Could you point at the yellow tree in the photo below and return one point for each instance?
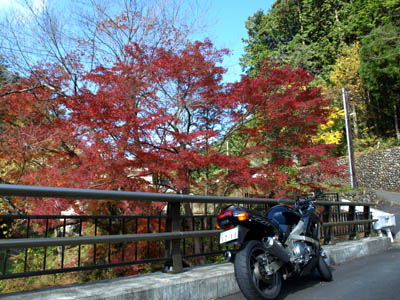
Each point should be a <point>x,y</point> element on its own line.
<point>345,75</point>
<point>331,132</point>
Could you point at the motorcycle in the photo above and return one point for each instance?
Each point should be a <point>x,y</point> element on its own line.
<point>284,243</point>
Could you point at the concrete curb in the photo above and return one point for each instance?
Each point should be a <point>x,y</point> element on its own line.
<point>346,251</point>
<point>201,283</point>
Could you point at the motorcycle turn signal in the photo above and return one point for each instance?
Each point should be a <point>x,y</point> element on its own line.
<point>243,216</point>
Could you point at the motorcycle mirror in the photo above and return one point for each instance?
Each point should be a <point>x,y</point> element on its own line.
<point>297,202</point>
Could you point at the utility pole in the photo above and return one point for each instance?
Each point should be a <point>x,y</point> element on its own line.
<point>350,149</point>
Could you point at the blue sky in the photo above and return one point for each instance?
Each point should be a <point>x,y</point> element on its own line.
<point>226,28</point>
<point>229,29</point>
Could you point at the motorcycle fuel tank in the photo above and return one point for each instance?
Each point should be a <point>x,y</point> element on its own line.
<point>283,216</point>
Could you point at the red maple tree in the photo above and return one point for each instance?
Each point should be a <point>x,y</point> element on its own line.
<point>157,114</point>
<point>282,112</point>
<point>160,116</point>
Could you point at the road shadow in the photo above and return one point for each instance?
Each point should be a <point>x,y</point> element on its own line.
<point>296,284</point>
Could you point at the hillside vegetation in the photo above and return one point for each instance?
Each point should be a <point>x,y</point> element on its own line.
<point>347,44</point>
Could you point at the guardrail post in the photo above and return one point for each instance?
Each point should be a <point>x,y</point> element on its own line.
<point>352,217</point>
<point>173,211</point>
<point>328,231</point>
<point>367,227</point>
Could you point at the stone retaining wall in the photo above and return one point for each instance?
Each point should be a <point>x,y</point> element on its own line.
<point>360,196</point>
<point>378,170</point>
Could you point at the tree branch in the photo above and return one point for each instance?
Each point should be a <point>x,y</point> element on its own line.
<point>45,85</point>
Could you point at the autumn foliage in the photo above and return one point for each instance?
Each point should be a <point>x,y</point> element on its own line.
<point>284,113</point>
<point>161,117</point>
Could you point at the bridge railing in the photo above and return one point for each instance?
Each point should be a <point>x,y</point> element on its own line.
<point>49,244</point>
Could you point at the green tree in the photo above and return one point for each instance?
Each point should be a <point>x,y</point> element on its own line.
<point>270,33</point>
<point>380,71</point>
<point>366,15</point>
<point>3,72</point>
<point>312,33</point>
<point>303,33</point>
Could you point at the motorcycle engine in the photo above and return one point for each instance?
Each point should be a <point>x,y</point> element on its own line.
<point>301,253</point>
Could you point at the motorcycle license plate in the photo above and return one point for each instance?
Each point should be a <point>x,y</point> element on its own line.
<point>229,235</point>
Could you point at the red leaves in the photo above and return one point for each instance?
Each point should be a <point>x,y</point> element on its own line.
<point>283,113</point>
<point>157,110</point>
<point>165,112</point>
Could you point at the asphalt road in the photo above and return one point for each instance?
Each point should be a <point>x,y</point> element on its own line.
<point>390,204</point>
<point>389,196</point>
<point>376,277</point>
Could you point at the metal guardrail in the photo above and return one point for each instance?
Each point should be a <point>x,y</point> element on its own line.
<point>107,239</point>
<point>72,193</point>
<point>175,240</point>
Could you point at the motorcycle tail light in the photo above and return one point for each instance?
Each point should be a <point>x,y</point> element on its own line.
<point>218,226</point>
<point>243,216</point>
<point>226,213</point>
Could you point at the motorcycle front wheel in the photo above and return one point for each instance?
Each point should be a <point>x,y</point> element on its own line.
<point>251,276</point>
<point>324,268</point>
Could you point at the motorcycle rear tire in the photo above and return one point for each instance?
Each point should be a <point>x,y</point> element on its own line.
<point>246,276</point>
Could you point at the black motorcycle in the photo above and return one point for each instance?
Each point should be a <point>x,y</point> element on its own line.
<point>276,246</point>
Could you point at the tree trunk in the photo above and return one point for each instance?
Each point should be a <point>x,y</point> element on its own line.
<point>300,20</point>
<point>396,122</point>
<point>355,121</point>
<point>374,114</point>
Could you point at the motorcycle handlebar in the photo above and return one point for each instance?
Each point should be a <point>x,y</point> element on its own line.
<point>301,203</point>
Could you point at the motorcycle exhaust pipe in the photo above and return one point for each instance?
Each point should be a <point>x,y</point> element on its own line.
<point>276,249</point>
